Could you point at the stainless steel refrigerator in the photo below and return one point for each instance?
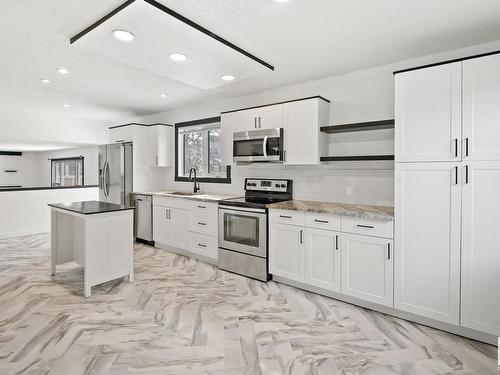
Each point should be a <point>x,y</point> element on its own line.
<point>115,173</point>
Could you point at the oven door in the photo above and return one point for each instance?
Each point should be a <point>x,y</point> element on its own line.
<point>258,146</point>
<point>243,230</point>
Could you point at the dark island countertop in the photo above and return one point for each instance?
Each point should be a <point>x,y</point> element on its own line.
<point>90,207</point>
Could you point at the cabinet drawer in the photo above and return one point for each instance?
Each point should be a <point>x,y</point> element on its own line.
<point>204,245</point>
<point>368,227</point>
<point>322,221</point>
<point>179,203</point>
<point>203,225</point>
<point>204,209</point>
<point>286,217</point>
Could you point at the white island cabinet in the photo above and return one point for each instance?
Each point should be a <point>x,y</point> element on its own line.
<point>96,235</point>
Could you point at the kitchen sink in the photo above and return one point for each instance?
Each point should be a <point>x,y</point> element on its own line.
<point>186,193</point>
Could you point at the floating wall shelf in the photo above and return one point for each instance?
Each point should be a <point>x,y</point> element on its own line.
<point>357,158</point>
<point>359,126</point>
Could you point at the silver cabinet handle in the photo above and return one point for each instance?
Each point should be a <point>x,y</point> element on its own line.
<point>456,175</point>
<point>200,223</point>
<point>120,141</point>
<point>388,251</point>
<point>466,174</point>
<point>202,245</point>
<point>255,122</point>
<point>455,147</point>
<point>321,221</point>
<point>365,226</point>
<point>260,122</point>
<point>156,160</point>
<point>337,242</point>
<point>201,206</point>
<point>467,146</point>
<point>285,217</point>
<point>301,239</point>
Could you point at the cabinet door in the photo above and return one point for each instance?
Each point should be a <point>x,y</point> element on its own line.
<point>367,268</point>
<point>122,134</point>
<point>286,251</point>
<point>162,229</point>
<point>301,132</point>
<point>160,145</point>
<point>481,109</point>
<point>428,114</point>
<point>427,221</point>
<point>246,120</point>
<point>480,248</point>
<point>322,258</point>
<point>271,117</point>
<point>180,228</point>
<point>228,126</point>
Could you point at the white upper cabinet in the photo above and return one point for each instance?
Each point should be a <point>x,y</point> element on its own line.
<point>121,134</point>
<point>160,145</point>
<point>481,247</point>
<point>427,240</point>
<point>481,108</point>
<point>367,268</point>
<point>266,117</point>
<point>428,114</point>
<point>304,143</point>
<point>228,126</point>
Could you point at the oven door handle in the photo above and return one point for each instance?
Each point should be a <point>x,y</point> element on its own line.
<point>243,209</point>
<point>264,146</point>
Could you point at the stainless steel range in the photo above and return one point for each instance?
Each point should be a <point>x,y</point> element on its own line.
<point>243,224</point>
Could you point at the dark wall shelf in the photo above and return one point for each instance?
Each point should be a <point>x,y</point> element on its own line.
<point>358,127</point>
<point>357,158</point>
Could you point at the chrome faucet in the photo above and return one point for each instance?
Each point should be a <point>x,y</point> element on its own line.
<point>196,187</point>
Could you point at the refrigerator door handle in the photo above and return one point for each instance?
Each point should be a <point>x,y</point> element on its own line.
<point>106,179</point>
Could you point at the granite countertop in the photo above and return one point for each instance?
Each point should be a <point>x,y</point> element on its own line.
<point>202,197</point>
<point>90,207</point>
<point>355,210</point>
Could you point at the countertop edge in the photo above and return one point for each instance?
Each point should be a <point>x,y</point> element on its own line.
<point>199,198</point>
<point>49,188</point>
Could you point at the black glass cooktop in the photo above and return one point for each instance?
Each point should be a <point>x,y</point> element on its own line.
<point>251,202</point>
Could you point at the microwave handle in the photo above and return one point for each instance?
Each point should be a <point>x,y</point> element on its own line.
<point>264,145</point>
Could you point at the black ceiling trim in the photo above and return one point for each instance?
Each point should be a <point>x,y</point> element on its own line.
<point>136,123</point>
<point>209,120</point>
<point>286,101</point>
<point>100,21</point>
<point>198,27</point>
<point>181,18</point>
<point>447,62</point>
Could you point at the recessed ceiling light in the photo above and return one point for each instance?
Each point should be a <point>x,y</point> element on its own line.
<point>43,80</point>
<point>63,70</point>
<point>163,95</point>
<point>123,35</point>
<point>227,78</point>
<point>66,105</point>
<point>177,57</point>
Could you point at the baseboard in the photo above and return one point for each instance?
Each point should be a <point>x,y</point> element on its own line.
<point>23,233</point>
<point>186,253</point>
<point>450,328</point>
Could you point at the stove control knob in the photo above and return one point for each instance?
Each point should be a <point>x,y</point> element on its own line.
<point>283,186</point>
<point>277,185</point>
<point>249,184</point>
<point>254,184</point>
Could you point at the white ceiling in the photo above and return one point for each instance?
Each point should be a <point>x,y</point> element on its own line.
<point>303,39</point>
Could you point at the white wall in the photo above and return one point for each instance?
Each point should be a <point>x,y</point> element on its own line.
<point>365,95</point>
<point>26,212</point>
<point>26,166</point>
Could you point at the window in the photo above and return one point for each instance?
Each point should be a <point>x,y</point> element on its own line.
<point>198,146</point>
<point>67,171</point>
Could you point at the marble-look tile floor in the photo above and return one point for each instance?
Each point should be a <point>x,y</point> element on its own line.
<point>186,317</point>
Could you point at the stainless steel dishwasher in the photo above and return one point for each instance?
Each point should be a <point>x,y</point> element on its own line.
<point>143,218</point>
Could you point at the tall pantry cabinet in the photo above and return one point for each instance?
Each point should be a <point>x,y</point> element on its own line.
<point>447,194</point>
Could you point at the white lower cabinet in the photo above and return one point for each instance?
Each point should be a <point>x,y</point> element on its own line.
<point>355,265</point>
<point>427,265</point>
<point>481,247</point>
<point>286,251</point>
<point>322,258</point>
<point>171,226</point>
<point>367,268</point>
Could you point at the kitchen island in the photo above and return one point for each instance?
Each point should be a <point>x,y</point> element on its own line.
<point>96,235</point>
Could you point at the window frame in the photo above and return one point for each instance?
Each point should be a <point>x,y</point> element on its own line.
<point>67,159</point>
<point>215,180</point>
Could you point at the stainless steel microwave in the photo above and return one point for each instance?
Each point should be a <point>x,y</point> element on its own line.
<point>263,145</point>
